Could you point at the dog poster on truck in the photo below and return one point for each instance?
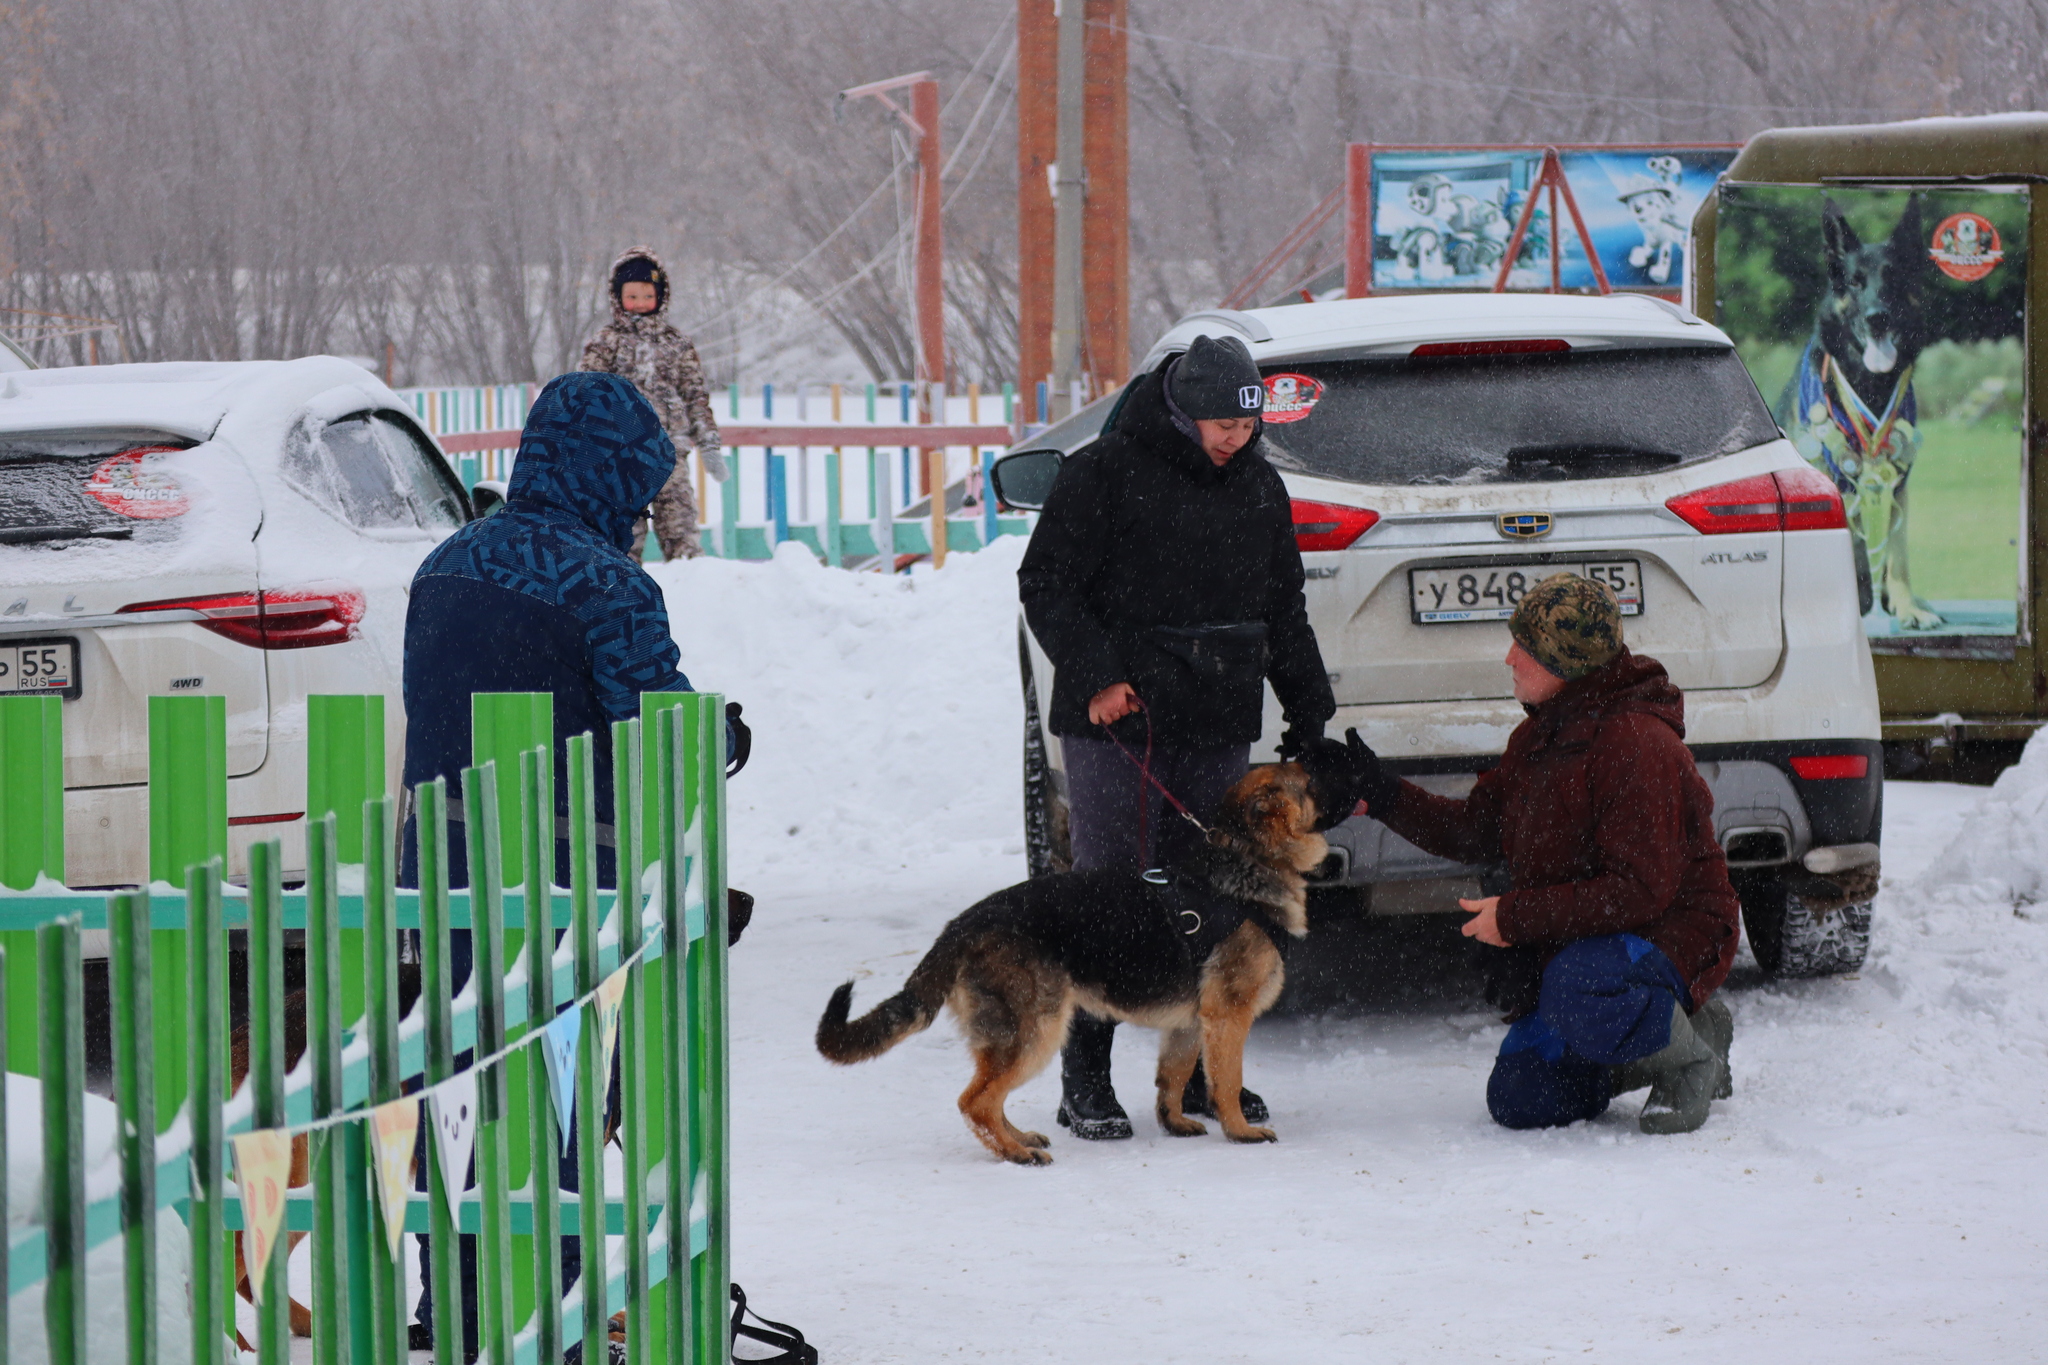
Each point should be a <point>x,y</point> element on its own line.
<point>1886,329</point>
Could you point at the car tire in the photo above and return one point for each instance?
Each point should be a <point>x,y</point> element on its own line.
<point>1801,926</point>
<point>1048,848</point>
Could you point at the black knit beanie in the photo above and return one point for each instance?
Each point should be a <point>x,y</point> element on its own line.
<point>640,270</point>
<point>1217,378</point>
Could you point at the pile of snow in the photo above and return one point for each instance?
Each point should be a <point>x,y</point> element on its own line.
<point>885,708</point>
<point>106,1325</point>
<point>2002,852</point>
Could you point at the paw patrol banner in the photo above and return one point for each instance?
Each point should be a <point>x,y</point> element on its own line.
<point>1885,327</point>
<point>1443,218</point>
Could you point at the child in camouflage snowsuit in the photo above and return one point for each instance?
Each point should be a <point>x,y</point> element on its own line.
<point>641,344</point>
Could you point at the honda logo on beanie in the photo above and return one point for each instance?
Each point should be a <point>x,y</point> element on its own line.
<point>1216,379</point>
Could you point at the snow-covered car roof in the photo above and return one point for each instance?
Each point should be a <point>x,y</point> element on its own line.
<point>259,400</point>
<point>1351,327</point>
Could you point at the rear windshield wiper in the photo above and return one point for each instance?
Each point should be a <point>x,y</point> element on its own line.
<point>24,535</point>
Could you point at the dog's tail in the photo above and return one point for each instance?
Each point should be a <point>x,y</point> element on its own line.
<point>910,1010</point>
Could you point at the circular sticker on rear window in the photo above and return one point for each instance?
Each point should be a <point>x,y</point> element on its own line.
<point>122,484</point>
<point>1966,247</point>
<point>1291,397</point>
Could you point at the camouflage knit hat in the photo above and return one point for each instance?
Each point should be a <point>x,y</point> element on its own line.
<point>1568,624</point>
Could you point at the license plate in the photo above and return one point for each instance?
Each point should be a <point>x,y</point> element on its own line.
<point>39,666</point>
<point>1489,592</point>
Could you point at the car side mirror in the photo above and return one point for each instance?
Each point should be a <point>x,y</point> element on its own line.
<point>487,496</point>
<point>1024,480</point>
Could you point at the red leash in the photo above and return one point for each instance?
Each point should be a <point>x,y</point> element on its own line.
<point>1144,768</point>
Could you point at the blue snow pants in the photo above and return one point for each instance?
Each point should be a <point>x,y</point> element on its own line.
<point>1604,1001</point>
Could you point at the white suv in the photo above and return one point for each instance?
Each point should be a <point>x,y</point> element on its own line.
<point>1447,452</point>
<point>247,530</point>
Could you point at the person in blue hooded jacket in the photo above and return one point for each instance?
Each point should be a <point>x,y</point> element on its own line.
<point>546,595</point>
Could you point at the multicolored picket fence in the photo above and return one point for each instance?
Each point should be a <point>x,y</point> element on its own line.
<point>252,1153</point>
<point>850,502</point>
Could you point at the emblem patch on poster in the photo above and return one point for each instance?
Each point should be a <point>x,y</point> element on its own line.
<point>1291,397</point>
<point>1966,247</point>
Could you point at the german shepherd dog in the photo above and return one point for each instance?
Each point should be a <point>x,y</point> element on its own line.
<point>1850,406</point>
<point>1123,945</point>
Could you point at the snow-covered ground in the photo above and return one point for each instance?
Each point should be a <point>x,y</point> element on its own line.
<point>1872,1192</point>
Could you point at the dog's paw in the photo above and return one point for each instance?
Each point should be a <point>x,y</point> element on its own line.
<point>1029,1156</point>
<point>1254,1135</point>
<point>1182,1126</point>
<point>1034,1139</point>
<point>1917,618</point>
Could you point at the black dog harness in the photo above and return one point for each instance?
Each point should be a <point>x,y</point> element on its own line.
<point>1204,917</point>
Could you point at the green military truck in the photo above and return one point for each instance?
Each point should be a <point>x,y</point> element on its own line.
<point>1887,285</point>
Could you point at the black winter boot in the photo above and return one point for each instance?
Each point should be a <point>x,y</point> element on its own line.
<point>1688,1072</point>
<point>1087,1098</point>
<point>1195,1099</point>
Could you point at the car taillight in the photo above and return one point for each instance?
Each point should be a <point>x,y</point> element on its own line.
<point>1453,349</point>
<point>1328,525</point>
<point>276,618</point>
<point>1820,767</point>
<point>1811,500</point>
<point>1789,500</point>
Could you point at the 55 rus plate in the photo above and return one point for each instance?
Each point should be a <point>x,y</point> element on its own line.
<point>37,666</point>
<point>1490,592</point>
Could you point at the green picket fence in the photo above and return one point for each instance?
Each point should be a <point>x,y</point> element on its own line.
<point>650,956</point>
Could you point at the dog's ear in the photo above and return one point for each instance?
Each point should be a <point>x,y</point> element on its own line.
<point>1842,242</point>
<point>1907,248</point>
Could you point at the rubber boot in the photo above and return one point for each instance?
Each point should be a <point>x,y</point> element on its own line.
<point>1688,1072</point>
<point>1195,1099</point>
<point>1087,1098</point>
<point>1713,1022</point>
<point>1716,1024</point>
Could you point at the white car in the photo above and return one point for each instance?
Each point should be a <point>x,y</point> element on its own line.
<point>246,530</point>
<point>1447,452</point>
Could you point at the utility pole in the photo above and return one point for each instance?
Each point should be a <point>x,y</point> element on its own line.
<point>1070,189</point>
<point>1037,150</point>
<point>1106,229</point>
<point>922,119</point>
<point>1099,288</point>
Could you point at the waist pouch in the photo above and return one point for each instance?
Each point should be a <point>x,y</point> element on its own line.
<point>1202,683</point>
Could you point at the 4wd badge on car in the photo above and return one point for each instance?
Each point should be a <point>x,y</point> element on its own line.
<point>1523,525</point>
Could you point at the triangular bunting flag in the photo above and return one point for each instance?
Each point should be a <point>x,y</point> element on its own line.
<point>263,1165</point>
<point>558,1044</point>
<point>452,1104</point>
<point>611,992</point>
<point>394,1131</point>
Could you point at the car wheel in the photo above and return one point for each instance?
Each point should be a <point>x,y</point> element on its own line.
<point>1805,926</point>
<point>1047,845</point>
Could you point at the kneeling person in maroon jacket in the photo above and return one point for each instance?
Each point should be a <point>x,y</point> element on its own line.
<point>1619,887</point>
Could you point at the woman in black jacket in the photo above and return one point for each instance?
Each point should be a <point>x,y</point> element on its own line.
<point>1164,582</point>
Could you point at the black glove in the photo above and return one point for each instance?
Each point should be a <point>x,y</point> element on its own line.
<point>739,913</point>
<point>739,740</point>
<point>1297,737</point>
<point>1380,789</point>
<point>1328,765</point>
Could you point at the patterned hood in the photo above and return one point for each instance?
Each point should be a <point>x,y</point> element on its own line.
<point>594,449</point>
